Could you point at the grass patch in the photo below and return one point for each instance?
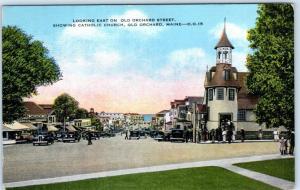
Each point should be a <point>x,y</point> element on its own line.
<point>281,168</point>
<point>192,178</point>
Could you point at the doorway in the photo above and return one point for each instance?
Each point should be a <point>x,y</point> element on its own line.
<point>224,117</point>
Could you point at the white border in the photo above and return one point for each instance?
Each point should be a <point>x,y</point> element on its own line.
<point>81,2</point>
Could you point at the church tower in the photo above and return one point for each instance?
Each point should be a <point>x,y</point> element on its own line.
<point>224,48</point>
<point>221,86</point>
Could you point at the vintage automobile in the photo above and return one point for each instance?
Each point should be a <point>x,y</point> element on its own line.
<point>107,134</point>
<point>71,137</point>
<point>134,134</point>
<point>59,136</point>
<point>177,135</point>
<point>95,135</point>
<point>160,136</point>
<point>153,133</point>
<point>43,139</point>
<point>143,134</point>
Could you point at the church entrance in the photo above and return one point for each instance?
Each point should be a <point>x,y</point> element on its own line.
<point>224,118</point>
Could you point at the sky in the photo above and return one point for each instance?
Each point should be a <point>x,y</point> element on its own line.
<point>133,69</point>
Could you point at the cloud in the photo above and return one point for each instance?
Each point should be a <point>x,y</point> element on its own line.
<point>235,33</point>
<point>107,58</point>
<point>129,16</point>
<point>184,62</point>
<point>127,92</point>
<point>239,60</point>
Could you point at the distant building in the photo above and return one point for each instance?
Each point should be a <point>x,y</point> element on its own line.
<point>134,118</point>
<point>38,113</point>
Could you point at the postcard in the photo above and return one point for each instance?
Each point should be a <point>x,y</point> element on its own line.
<point>170,96</point>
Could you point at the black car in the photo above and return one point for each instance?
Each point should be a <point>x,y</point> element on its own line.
<point>143,134</point>
<point>43,139</point>
<point>177,135</point>
<point>106,134</point>
<point>153,133</point>
<point>159,136</point>
<point>134,134</point>
<point>71,137</point>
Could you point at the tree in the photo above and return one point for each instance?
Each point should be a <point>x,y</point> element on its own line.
<point>271,65</point>
<point>96,122</point>
<point>81,113</point>
<point>65,106</point>
<point>26,66</point>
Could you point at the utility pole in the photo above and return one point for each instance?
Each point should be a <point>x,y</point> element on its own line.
<point>194,121</point>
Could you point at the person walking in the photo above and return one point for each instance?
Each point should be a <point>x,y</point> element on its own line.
<point>242,135</point>
<point>285,146</point>
<point>90,138</point>
<point>213,135</point>
<point>186,135</point>
<point>224,135</point>
<point>292,143</point>
<point>276,135</point>
<point>126,134</point>
<point>229,135</point>
<point>282,146</point>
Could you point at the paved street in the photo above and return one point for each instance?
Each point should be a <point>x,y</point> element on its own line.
<point>27,162</point>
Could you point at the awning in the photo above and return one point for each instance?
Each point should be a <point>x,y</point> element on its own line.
<point>16,126</point>
<point>70,128</point>
<point>6,129</point>
<point>51,128</point>
<point>30,125</point>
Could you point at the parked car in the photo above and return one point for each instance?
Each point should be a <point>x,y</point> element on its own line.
<point>71,137</point>
<point>143,134</point>
<point>43,139</point>
<point>134,134</point>
<point>153,133</point>
<point>106,134</point>
<point>177,135</point>
<point>159,136</point>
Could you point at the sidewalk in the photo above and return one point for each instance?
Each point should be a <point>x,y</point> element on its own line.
<point>274,181</point>
<point>225,163</point>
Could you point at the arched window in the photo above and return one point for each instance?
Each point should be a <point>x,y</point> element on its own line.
<point>225,54</point>
<point>226,74</point>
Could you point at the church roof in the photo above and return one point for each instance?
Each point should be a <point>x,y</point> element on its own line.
<point>245,99</point>
<point>224,41</point>
<point>215,76</point>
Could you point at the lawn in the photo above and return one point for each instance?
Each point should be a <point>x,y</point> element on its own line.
<point>192,178</point>
<point>281,168</point>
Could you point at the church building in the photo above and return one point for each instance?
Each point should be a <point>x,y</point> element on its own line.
<point>226,96</point>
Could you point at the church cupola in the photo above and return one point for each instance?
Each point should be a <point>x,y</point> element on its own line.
<point>224,48</point>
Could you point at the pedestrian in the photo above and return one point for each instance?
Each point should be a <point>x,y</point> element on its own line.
<point>292,143</point>
<point>285,146</point>
<point>90,138</point>
<point>213,135</point>
<point>126,135</point>
<point>224,135</point>
<point>229,135</point>
<point>199,136</point>
<point>276,135</point>
<point>219,135</point>
<point>242,135</point>
<point>260,134</point>
<point>282,146</point>
<point>186,135</point>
